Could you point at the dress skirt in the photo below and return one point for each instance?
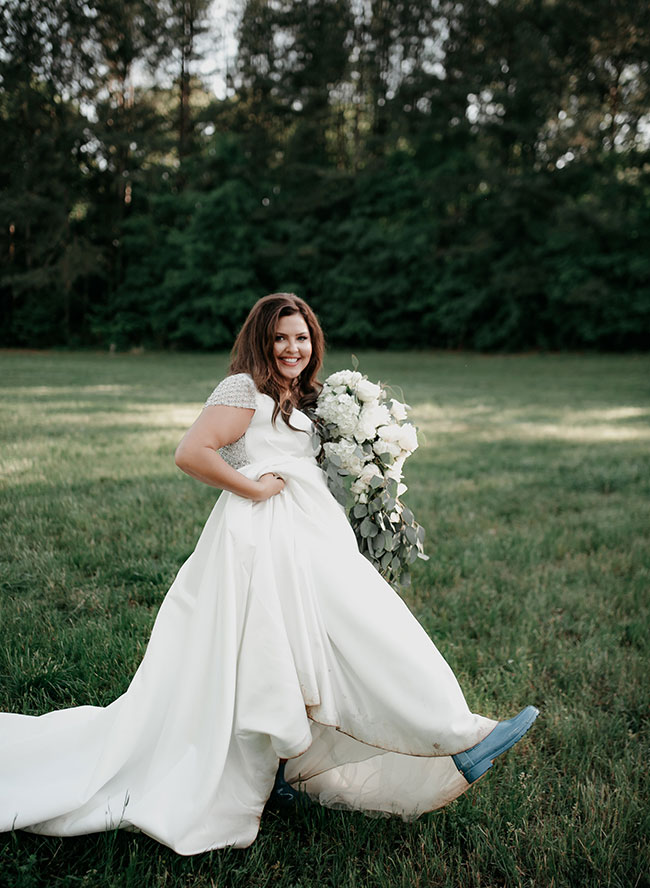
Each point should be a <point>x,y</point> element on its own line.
<point>276,640</point>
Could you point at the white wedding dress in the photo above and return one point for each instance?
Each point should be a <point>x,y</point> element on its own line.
<point>276,640</point>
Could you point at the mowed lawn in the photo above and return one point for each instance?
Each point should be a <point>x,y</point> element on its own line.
<point>532,479</point>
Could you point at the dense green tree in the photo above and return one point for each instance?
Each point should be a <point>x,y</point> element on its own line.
<point>426,172</point>
<point>44,254</point>
<point>188,278</point>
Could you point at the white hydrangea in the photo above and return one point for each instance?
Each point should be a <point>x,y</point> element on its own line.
<point>347,453</point>
<point>342,409</point>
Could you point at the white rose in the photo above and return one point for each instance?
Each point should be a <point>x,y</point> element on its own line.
<point>408,438</point>
<point>390,433</point>
<point>398,410</point>
<point>371,417</point>
<point>367,391</point>
<point>344,377</point>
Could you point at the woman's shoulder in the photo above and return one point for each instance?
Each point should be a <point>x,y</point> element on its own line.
<point>237,390</point>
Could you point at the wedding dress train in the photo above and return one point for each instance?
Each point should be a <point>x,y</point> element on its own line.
<point>277,639</point>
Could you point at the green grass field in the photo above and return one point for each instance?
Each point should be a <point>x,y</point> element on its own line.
<point>533,481</point>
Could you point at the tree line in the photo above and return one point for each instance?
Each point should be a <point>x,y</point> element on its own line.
<point>425,174</point>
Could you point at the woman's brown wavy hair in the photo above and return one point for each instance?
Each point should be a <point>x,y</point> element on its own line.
<point>252,352</point>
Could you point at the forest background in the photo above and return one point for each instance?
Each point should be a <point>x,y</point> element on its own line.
<point>426,174</point>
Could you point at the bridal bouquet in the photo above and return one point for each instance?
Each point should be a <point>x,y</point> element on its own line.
<point>364,442</point>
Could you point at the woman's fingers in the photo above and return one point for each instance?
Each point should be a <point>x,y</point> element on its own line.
<point>272,483</point>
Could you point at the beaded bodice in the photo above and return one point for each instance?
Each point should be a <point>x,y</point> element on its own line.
<point>235,391</point>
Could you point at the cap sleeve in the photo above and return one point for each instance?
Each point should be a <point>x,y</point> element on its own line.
<point>234,391</point>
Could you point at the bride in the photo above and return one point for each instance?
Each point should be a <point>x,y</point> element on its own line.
<point>277,642</point>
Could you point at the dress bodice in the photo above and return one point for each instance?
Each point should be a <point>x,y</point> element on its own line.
<point>264,439</point>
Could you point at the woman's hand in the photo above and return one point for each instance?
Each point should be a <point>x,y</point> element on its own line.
<point>269,485</point>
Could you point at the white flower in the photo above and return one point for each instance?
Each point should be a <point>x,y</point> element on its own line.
<point>391,448</point>
<point>367,391</point>
<point>371,417</point>
<point>369,471</point>
<point>408,438</point>
<point>398,410</point>
<point>395,471</point>
<point>390,432</point>
<point>342,410</point>
<point>348,378</point>
<point>347,453</point>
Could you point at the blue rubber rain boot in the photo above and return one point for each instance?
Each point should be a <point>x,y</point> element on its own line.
<point>474,762</point>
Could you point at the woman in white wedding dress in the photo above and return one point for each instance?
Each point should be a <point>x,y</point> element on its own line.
<point>277,641</point>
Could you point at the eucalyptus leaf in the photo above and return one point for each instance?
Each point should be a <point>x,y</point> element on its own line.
<point>360,510</point>
<point>331,470</point>
<point>407,515</point>
<point>366,527</point>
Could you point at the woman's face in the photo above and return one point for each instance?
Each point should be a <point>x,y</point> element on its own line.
<point>292,346</point>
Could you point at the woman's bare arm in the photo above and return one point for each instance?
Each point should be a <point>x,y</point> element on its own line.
<point>197,455</point>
